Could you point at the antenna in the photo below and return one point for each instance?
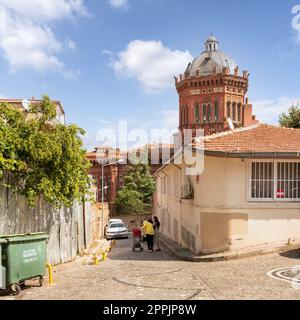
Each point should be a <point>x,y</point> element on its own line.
<point>230,124</point>
<point>26,104</point>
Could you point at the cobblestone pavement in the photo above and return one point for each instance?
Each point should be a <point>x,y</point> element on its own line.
<point>158,275</point>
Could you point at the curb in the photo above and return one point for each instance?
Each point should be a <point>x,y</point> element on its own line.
<point>186,255</point>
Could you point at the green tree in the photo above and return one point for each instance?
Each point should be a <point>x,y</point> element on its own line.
<point>39,157</point>
<point>137,192</point>
<point>292,119</point>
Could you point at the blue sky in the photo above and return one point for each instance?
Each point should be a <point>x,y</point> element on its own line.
<point>110,60</point>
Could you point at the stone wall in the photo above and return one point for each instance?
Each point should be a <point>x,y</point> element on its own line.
<point>68,233</point>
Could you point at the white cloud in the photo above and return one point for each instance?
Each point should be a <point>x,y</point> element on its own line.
<point>26,39</point>
<point>40,10</point>
<point>268,111</point>
<point>151,63</point>
<point>119,4</point>
<point>71,44</point>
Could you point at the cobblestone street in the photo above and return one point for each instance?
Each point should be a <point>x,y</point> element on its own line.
<point>158,275</point>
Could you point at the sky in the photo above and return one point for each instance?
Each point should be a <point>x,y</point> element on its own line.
<point>114,60</point>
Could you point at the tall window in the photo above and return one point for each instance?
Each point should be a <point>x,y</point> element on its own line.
<point>204,112</point>
<point>216,111</point>
<point>239,114</point>
<point>228,110</point>
<point>208,112</point>
<point>197,112</point>
<point>275,180</point>
<point>234,111</point>
<point>182,115</point>
<point>186,114</point>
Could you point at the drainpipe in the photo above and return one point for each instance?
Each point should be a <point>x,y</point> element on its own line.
<point>84,225</point>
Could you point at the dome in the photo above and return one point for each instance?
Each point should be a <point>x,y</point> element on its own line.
<point>209,60</point>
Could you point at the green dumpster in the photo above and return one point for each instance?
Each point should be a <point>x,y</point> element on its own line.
<point>24,258</point>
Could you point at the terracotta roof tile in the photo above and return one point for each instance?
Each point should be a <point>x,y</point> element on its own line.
<point>260,138</point>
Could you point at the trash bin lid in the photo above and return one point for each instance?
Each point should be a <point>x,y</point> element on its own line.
<point>24,237</point>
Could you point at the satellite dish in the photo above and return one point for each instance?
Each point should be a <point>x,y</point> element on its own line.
<point>26,104</point>
<point>230,124</point>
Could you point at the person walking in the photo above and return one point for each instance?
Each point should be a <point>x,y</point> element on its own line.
<point>156,226</point>
<point>149,232</point>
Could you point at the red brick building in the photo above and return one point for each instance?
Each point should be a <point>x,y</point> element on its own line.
<point>211,90</point>
<point>114,174</point>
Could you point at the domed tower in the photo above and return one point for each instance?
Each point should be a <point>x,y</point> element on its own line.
<point>211,90</point>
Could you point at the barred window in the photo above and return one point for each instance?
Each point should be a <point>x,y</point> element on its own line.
<point>288,180</point>
<point>262,180</point>
<point>275,180</point>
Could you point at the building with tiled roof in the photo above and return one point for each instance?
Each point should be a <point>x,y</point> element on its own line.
<point>19,104</point>
<point>254,141</point>
<point>241,192</point>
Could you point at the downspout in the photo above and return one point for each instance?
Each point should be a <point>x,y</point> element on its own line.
<point>84,225</point>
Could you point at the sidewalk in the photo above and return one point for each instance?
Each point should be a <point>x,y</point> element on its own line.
<point>186,255</point>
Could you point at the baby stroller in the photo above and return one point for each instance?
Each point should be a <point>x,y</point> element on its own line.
<point>137,240</point>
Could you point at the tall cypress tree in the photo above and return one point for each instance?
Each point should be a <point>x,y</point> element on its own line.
<point>137,192</point>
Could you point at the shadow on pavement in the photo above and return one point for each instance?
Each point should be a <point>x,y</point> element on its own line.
<point>123,251</point>
<point>292,254</point>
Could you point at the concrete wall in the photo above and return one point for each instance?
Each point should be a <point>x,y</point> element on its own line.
<point>64,226</point>
<point>221,217</point>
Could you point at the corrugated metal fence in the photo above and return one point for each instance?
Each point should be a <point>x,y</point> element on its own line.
<point>64,226</point>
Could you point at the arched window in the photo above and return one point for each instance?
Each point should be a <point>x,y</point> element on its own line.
<point>208,112</point>
<point>186,114</point>
<point>228,110</point>
<point>204,112</point>
<point>197,113</point>
<point>182,115</point>
<point>234,111</point>
<point>216,111</point>
<point>239,110</point>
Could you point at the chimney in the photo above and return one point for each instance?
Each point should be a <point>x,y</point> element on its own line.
<point>247,115</point>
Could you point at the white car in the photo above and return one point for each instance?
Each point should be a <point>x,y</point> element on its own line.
<point>117,230</point>
<point>114,221</point>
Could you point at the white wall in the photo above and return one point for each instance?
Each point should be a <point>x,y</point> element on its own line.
<point>221,209</point>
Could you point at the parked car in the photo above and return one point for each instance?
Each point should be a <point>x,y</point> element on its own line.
<point>114,221</point>
<point>117,230</point>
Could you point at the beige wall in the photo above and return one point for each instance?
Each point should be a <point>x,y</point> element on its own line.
<point>220,217</point>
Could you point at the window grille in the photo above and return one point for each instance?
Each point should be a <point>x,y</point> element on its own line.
<point>275,180</point>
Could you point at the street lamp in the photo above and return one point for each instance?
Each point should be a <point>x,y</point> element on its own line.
<point>104,188</point>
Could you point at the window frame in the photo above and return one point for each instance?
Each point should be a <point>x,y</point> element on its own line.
<point>197,112</point>
<point>204,112</point>
<point>275,165</point>
<point>216,111</point>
